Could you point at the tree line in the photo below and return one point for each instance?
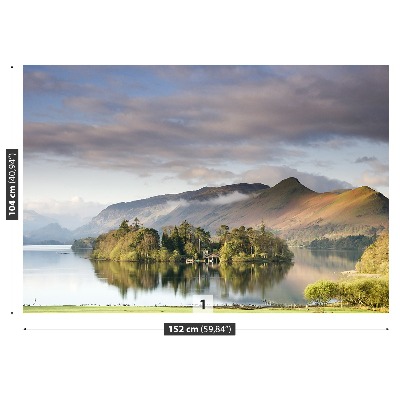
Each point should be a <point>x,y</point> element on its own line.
<point>348,242</point>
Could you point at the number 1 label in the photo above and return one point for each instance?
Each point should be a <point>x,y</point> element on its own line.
<point>203,303</point>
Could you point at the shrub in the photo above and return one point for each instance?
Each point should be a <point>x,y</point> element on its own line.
<point>375,259</point>
<point>369,292</point>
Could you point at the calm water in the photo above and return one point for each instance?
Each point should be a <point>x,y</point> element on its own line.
<point>56,275</point>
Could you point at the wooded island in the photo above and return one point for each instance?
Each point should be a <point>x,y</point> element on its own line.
<point>178,243</point>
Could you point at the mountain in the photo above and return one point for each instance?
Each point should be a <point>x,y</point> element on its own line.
<point>50,234</point>
<point>34,221</point>
<point>155,211</point>
<point>290,209</point>
<point>300,214</point>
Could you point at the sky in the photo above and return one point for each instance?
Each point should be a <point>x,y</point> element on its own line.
<point>98,135</point>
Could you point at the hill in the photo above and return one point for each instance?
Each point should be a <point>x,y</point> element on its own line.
<point>34,221</point>
<point>169,209</point>
<point>50,234</point>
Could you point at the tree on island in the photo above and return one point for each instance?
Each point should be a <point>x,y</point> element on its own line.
<point>186,239</point>
<point>246,244</point>
<point>127,243</point>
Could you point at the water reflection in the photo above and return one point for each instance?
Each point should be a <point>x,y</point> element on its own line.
<point>327,259</point>
<point>185,279</point>
<point>181,278</point>
<point>245,278</point>
<point>59,276</point>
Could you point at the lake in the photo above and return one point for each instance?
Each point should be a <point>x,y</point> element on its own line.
<point>56,275</point>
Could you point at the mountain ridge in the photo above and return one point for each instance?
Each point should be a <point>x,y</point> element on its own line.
<point>289,208</point>
<point>154,208</point>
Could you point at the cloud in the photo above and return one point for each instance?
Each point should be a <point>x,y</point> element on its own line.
<point>70,214</point>
<point>204,176</point>
<point>365,159</point>
<point>374,164</point>
<point>219,200</point>
<point>58,81</point>
<point>374,180</point>
<point>172,205</point>
<point>274,174</point>
<point>191,122</point>
<point>228,199</point>
<point>376,175</point>
<point>41,81</point>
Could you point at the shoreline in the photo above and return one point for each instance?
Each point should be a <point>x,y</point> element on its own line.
<point>189,309</point>
<point>354,273</point>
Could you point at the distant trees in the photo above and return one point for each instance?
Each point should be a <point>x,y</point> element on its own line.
<point>348,242</point>
<point>86,243</point>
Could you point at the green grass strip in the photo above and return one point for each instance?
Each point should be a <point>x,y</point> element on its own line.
<point>171,309</point>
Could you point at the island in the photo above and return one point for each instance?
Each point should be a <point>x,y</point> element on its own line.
<point>187,243</point>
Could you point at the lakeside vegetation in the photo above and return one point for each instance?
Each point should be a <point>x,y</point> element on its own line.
<point>137,243</point>
<point>359,289</point>
<point>375,259</point>
<point>367,292</point>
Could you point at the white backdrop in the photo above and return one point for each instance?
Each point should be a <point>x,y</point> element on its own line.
<point>271,356</point>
